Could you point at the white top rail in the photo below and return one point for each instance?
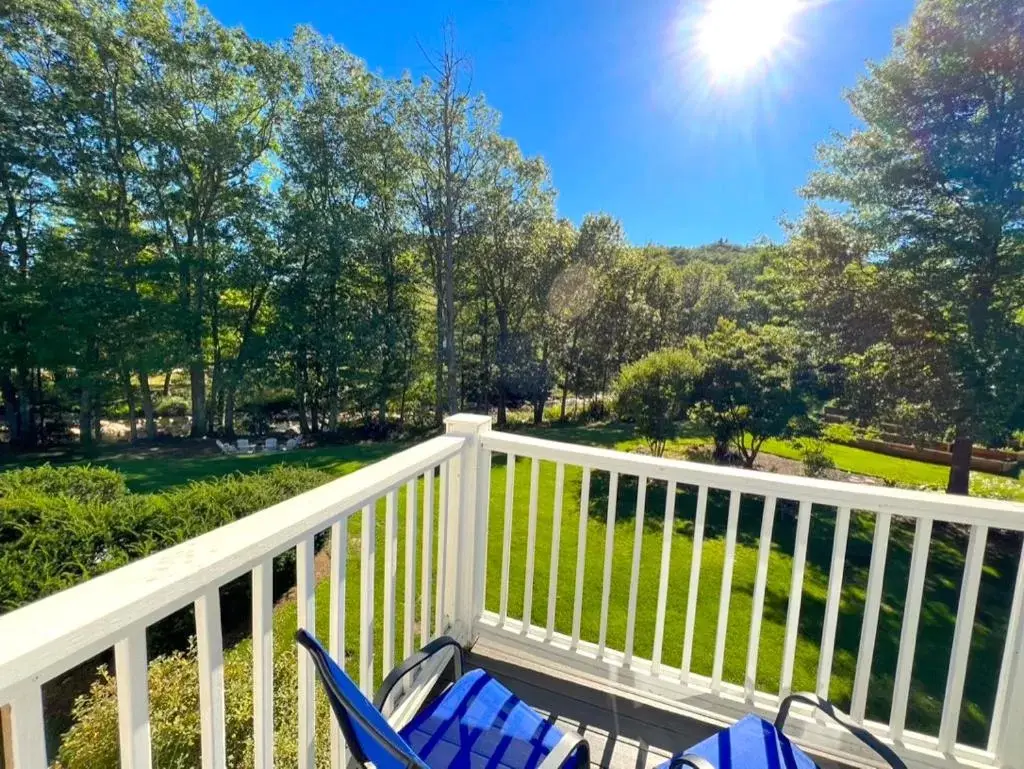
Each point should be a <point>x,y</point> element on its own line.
<point>56,633</point>
<point>912,504</point>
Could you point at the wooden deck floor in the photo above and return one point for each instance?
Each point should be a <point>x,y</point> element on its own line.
<point>622,732</point>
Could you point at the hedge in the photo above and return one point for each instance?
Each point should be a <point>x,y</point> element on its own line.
<point>61,526</point>
<point>79,482</point>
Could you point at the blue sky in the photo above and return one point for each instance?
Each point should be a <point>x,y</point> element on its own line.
<point>611,95</point>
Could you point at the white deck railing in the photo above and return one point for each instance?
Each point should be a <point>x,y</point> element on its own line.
<point>51,636</point>
<point>675,684</point>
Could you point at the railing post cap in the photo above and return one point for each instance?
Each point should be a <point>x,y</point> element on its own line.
<point>467,424</point>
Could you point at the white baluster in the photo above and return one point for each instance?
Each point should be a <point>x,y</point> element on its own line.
<point>634,576</point>
<point>764,550</point>
<point>962,638</point>
<point>581,556</point>
<point>691,597</point>
<point>306,603</point>
<point>367,567</point>
<point>556,540</point>
<point>667,535</point>
<point>211,680</point>
<point>263,664</point>
<point>796,592</point>
<point>133,699</point>
<point>531,545</point>
<point>869,630</point>
<point>835,593</point>
<point>908,635</point>
<point>506,539</point>
<point>609,553</point>
<point>339,595</point>
<point>726,593</point>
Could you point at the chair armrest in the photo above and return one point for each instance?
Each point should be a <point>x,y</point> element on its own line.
<point>689,761</point>
<point>842,719</point>
<point>570,743</point>
<point>413,662</point>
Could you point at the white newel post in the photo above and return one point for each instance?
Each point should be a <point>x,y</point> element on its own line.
<point>464,572</point>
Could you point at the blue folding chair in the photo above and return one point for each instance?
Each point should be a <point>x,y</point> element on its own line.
<point>476,723</point>
<point>753,743</point>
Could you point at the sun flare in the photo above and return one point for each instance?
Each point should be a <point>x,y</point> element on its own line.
<point>737,37</point>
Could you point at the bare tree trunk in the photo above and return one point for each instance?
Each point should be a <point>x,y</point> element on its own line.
<point>167,383</point>
<point>960,465</point>
<point>147,403</point>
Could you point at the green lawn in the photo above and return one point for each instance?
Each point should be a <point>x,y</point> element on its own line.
<point>937,615</point>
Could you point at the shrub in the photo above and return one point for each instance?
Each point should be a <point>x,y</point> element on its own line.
<point>757,384</point>
<point>843,432</point>
<point>174,715</point>
<point>654,392</point>
<point>92,741</point>
<point>83,483</point>
<point>816,460</point>
<point>172,406</point>
<point>51,542</point>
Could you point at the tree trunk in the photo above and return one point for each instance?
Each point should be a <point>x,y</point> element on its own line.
<point>450,358</point>
<point>439,360</point>
<point>300,391</point>
<point>12,410</point>
<point>167,383</point>
<point>147,403</point>
<point>502,366</point>
<point>28,433</point>
<point>85,417</point>
<point>97,420</point>
<point>229,410</point>
<point>197,376</point>
<point>960,466</point>
<point>565,395</point>
<point>129,396</point>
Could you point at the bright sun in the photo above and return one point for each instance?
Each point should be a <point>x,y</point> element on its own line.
<point>736,37</point>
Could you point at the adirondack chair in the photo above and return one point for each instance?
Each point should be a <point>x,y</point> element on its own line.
<point>245,447</point>
<point>475,722</point>
<point>226,448</point>
<point>753,743</point>
<point>270,444</point>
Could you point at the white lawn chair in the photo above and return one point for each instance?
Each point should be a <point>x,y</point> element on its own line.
<point>226,448</point>
<point>244,446</point>
<point>290,444</point>
<point>270,444</point>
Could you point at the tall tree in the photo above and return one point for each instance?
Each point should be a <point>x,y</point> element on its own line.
<point>447,130</point>
<point>217,98</point>
<point>936,179</point>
